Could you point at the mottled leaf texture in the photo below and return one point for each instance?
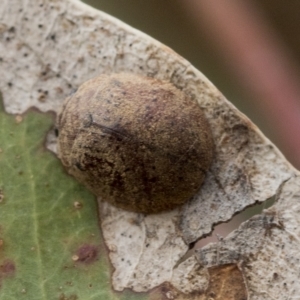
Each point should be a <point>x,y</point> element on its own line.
<point>50,241</point>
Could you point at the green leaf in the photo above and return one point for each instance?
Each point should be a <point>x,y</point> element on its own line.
<point>50,241</point>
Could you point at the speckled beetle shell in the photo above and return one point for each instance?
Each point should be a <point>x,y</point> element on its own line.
<point>139,143</point>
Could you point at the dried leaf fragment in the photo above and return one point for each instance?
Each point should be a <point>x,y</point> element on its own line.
<point>266,247</point>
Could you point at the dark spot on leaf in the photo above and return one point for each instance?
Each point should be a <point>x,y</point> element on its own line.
<point>227,282</point>
<point>163,292</point>
<point>77,205</point>
<point>87,254</point>
<point>7,269</point>
<point>64,297</point>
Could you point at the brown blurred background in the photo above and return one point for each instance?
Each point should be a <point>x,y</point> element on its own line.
<point>249,49</point>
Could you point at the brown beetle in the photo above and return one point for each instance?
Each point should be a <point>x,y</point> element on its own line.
<point>138,142</point>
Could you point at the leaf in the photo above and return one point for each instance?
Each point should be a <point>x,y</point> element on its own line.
<point>47,51</point>
<point>266,248</point>
<point>51,247</point>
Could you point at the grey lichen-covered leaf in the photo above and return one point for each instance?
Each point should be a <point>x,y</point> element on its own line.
<point>142,251</point>
<point>48,48</point>
<point>190,276</point>
<point>266,248</point>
